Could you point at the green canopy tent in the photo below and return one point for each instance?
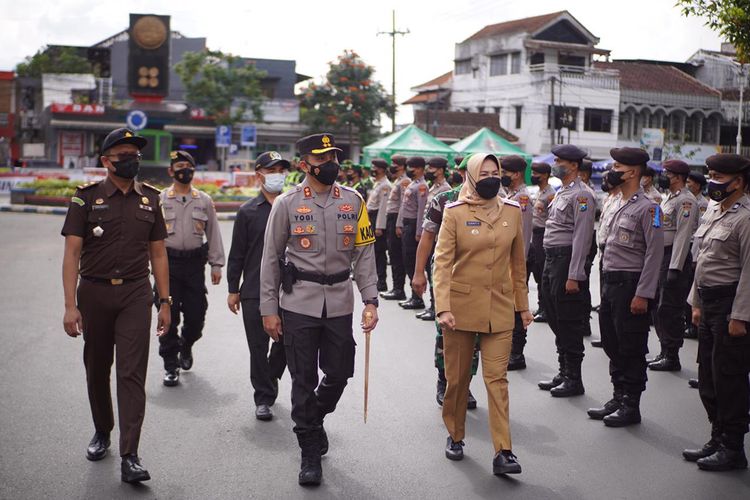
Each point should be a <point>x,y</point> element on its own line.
<point>485,140</point>
<point>409,141</point>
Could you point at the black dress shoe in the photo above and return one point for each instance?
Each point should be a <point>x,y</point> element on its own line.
<point>516,362</point>
<point>627,414</point>
<point>382,287</point>
<point>97,448</point>
<point>393,295</point>
<point>609,408</point>
<point>428,315</point>
<point>569,387</point>
<point>471,403</point>
<point>666,364</point>
<point>440,396</point>
<point>691,332</point>
<point>263,412</point>
<point>413,303</point>
<point>132,470</point>
<point>693,382</point>
<point>707,450</point>
<point>656,358</point>
<point>547,385</point>
<point>454,450</point>
<point>723,459</point>
<point>541,317</point>
<point>323,441</point>
<point>186,358</point>
<point>596,343</point>
<point>172,378</point>
<point>505,462</point>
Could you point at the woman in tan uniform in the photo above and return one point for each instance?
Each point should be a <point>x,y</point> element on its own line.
<point>480,281</point>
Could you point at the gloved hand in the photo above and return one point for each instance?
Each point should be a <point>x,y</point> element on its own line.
<point>672,276</point>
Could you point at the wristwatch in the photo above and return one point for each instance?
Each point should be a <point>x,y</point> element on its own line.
<point>374,302</point>
<point>168,300</point>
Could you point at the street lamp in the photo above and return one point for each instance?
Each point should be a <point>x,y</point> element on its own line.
<point>742,76</point>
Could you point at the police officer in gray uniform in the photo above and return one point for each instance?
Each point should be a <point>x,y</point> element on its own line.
<point>409,222</point>
<point>513,174</point>
<point>377,202</point>
<point>567,242</point>
<point>720,297</point>
<point>193,239</point>
<point>680,218</point>
<point>696,183</point>
<point>630,263</point>
<point>322,232</point>
<point>395,250</point>
<point>540,173</point>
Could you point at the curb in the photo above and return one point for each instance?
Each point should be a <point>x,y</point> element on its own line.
<point>37,209</point>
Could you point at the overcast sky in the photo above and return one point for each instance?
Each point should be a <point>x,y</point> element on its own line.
<point>314,33</point>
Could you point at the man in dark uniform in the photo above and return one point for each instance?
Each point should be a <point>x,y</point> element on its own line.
<point>111,229</point>
<point>720,297</point>
<point>395,247</point>
<point>193,239</point>
<point>540,173</point>
<point>630,262</point>
<point>244,262</point>
<point>354,180</point>
<point>567,243</point>
<point>322,232</point>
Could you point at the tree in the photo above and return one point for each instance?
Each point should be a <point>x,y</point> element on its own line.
<point>348,99</point>
<point>53,60</point>
<point>731,18</point>
<point>225,86</point>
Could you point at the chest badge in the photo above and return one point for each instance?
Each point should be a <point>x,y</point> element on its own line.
<point>505,223</point>
<point>145,200</point>
<point>349,228</point>
<point>99,201</point>
<point>304,210</point>
<point>305,243</point>
<point>299,230</point>
<point>98,231</point>
<point>475,231</point>
<point>345,208</point>
<point>310,229</point>
<point>347,240</point>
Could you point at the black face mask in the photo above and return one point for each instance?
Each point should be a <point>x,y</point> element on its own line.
<point>128,168</point>
<point>393,170</point>
<point>536,180</point>
<point>717,191</point>
<point>184,175</point>
<point>505,180</point>
<point>410,173</point>
<point>605,187</point>
<point>429,176</point>
<point>489,187</point>
<point>663,181</point>
<point>350,178</point>
<point>326,173</point>
<point>614,178</point>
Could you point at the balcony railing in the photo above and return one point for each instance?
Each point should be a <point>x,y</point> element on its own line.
<point>744,150</point>
<point>578,75</point>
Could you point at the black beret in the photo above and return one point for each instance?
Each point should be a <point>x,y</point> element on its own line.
<point>357,169</point>
<point>726,163</point>
<point>379,163</point>
<point>629,156</point>
<point>415,161</point>
<point>178,156</point>
<point>676,167</point>
<point>123,136</point>
<point>698,177</point>
<point>541,168</point>
<point>317,144</point>
<point>438,162</point>
<point>458,159</point>
<point>569,152</point>
<point>270,159</point>
<point>513,163</point>
<point>586,165</point>
<point>399,160</point>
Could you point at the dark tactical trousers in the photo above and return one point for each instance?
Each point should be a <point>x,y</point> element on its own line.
<point>624,334</point>
<point>587,294</point>
<point>723,367</point>
<point>519,335</point>
<point>265,368</point>
<point>670,315</point>
<point>565,312</point>
<point>187,285</point>
<point>121,315</point>
<point>429,276</point>
<point>690,270</point>
<point>535,260</point>
<point>311,342</point>
<point>409,246</point>
<point>381,246</point>
<point>395,253</point>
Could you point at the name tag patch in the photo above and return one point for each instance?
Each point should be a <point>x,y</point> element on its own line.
<point>473,223</point>
<point>99,207</point>
<point>145,207</point>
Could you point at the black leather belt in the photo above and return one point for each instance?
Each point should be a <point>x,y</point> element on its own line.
<point>717,292</point>
<point>201,251</point>
<point>557,251</point>
<point>111,281</point>
<point>538,230</point>
<point>323,279</point>
<point>620,276</point>
<point>409,220</point>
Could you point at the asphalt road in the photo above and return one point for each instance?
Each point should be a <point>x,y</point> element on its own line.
<point>201,440</point>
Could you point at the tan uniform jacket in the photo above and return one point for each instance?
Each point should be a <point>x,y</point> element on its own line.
<point>378,200</point>
<point>480,267</point>
<point>680,217</point>
<point>192,220</point>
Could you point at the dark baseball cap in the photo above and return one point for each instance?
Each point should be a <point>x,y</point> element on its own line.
<point>123,136</point>
<point>270,159</point>
<point>178,156</point>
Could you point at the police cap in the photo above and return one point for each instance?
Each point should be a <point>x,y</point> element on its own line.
<point>726,163</point>
<point>270,159</point>
<point>698,177</point>
<point>513,163</point>
<point>399,160</point>
<point>438,162</point>
<point>415,162</point>
<point>541,168</point>
<point>123,136</point>
<point>629,156</point>
<point>379,163</point>
<point>676,167</point>
<point>317,144</point>
<point>569,152</point>
<point>178,156</point>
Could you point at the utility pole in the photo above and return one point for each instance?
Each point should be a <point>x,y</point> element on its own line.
<point>739,114</point>
<point>552,113</point>
<point>393,34</point>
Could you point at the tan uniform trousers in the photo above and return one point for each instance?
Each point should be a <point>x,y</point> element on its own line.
<point>458,348</point>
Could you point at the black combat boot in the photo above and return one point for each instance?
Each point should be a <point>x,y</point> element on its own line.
<point>669,363</point>
<point>609,407</point>
<point>311,472</point>
<point>547,385</point>
<point>708,449</point>
<point>656,358</point>
<point>517,361</point>
<point>729,456</point>
<point>628,413</point>
<point>572,385</point>
<point>441,384</point>
<point>693,383</point>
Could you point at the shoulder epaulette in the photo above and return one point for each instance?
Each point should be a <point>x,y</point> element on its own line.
<point>454,204</point>
<point>352,190</point>
<point>88,185</point>
<point>145,184</point>
<point>511,203</point>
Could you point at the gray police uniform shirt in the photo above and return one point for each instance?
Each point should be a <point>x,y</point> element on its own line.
<point>436,189</point>
<point>413,203</point>
<point>610,206</point>
<point>679,216</point>
<point>325,234</point>
<point>541,206</point>
<point>635,242</point>
<point>724,254</point>
<point>653,194</point>
<point>190,218</point>
<point>397,191</point>
<point>377,199</point>
<point>695,242</point>
<point>570,223</point>
<point>522,197</point>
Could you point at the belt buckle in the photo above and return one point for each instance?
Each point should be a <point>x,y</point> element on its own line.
<point>116,281</point>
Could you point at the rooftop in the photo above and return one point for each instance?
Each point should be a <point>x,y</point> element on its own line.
<point>527,24</point>
<point>651,77</point>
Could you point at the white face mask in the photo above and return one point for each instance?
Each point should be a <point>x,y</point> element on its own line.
<point>274,183</point>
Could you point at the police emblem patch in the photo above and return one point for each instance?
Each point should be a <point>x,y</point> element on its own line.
<point>310,229</point>
<point>583,203</point>
<point>304,210</point>
<point>305,243</point>
<point>524,202</point>
<point>144,200</point>
<point>347,240</point>
<point>422,189</point>
<point>624,237</point>
<point>99,201</point>
<point>345,208</point>
<point>349,229</point>
<point>299,230</point>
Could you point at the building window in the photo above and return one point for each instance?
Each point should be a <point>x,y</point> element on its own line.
<point>515,63</point>
<point>537,58</point>
<point>499,65</point>
<point>497,110</point>
<point>565,117</point>
<point>597,120</point>
<point>463,67</point>
<point>519,113</point>
<point>571,60</point>
<point>480,109</point>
